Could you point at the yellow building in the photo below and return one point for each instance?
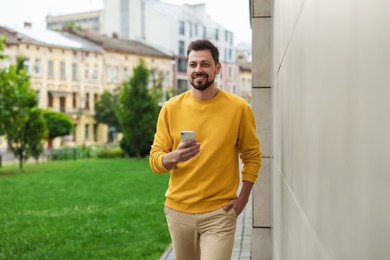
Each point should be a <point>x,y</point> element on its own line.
<point>122,56</point>
<point>245,81</point>
<point>69,71</point>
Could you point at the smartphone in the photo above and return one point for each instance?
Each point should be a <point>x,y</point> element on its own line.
<point>187,135</point>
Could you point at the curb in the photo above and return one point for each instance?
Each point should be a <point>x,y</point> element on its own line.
<point>166,253</point>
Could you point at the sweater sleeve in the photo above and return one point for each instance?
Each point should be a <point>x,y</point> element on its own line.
<point>249,146</point>
<point>162,143</point>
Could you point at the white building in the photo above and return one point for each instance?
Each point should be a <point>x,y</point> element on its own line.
<point>170,28</point>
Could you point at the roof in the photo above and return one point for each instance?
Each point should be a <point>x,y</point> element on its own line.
<point>120,45</point>
<point>49,38</point>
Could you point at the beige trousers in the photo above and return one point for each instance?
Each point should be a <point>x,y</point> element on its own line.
<point>205,236</point>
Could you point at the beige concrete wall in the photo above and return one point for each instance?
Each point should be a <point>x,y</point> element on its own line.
<point>329,151</point>
<point>261,103</point>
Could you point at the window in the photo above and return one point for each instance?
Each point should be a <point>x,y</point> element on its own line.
<point>116,74</point>
<point>74,100</point>
<point>26,64</point>
<point>226,36</point>
<point>182,85</point>
<point>196,30</point>
<point>95,131</point>
<point>74,72</point>
<point>62,70</point>
<point>86,72</point>
<point>95,99</point>
<point>181,48</point>
<point>108,74</point>
<point>182,65</point>
<point>37,67</point>
<point>62,104</point>
<point>216,34</point>
<point>87,100</point>
<point>204,32</point>
<point>182,30</point>
<point>86,132</point>
<point>49,99</point>
<point>95,73</point>
<point>50,70</point>
<point>124,18</point>
<point>126,74</point>
<point>190,29</point>
<point>225,54</point>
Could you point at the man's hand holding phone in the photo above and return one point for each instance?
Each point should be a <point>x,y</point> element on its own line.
<point>187,149</point>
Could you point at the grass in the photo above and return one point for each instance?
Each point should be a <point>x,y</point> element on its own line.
<point>85,209</point>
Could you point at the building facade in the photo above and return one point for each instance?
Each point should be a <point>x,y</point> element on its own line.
<point>167,27</point>
<point>70,70</point>
<point>170,28</point>
<point>58,66</point>
<point>320,97</point>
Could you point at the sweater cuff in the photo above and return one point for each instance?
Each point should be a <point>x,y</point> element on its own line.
<point>249,177</point>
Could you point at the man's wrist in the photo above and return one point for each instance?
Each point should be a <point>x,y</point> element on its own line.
<point>169,160</point>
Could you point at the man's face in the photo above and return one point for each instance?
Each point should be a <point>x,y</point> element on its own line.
<point>201,69</point>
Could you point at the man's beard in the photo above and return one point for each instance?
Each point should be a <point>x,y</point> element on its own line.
<point>204,86</point>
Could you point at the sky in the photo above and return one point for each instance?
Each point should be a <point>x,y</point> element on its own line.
<point>232,14</point>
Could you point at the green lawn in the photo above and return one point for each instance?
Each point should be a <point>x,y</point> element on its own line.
<point>85,209</point>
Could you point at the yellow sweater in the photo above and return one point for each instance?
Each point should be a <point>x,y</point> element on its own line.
<point>224,127</point>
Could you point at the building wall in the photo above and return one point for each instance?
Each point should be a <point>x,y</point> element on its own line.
<point>70,80</point>
<point>74,95</point>
<point>320,78</point>
<point>112,17</point>
<point>245,85</point>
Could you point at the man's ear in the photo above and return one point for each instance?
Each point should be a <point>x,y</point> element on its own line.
<point>218,68</point>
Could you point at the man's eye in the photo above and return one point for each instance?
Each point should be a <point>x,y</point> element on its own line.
<point>205,64</point>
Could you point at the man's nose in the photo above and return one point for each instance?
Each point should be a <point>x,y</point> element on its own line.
<point>198,68</point>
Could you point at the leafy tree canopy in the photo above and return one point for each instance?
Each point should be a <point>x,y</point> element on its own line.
<point>105,109</point>
<point>58,124</point>
<point>137,112</point>
<point>20,117</point>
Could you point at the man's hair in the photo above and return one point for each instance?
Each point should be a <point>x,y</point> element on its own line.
<point>200,45</point>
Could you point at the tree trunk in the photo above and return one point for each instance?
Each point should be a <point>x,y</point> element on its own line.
<point>21,162</point>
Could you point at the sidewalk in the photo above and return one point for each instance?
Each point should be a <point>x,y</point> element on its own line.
<point>242,241</point>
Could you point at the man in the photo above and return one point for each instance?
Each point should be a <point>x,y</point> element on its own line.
<point>201,203</point>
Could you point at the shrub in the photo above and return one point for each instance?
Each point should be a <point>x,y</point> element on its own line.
<point>111,153</point>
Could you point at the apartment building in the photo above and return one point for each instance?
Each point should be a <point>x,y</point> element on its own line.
<point>321,100</point>
<point>69,70</point>
<point>243,60</point>
<point>122,55</point>
<point>170,28</point>
<point>166,27</point>
<point>66,75</point>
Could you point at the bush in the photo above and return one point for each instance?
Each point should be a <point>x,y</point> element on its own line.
<point>111,153</point>
<point>70,153</point>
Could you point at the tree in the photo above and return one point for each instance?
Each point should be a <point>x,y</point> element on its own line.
<point>105,109</point>
<point>58,124</point>
<point>137,112</point>
<point>21,119</point>
<point>3,90</point>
